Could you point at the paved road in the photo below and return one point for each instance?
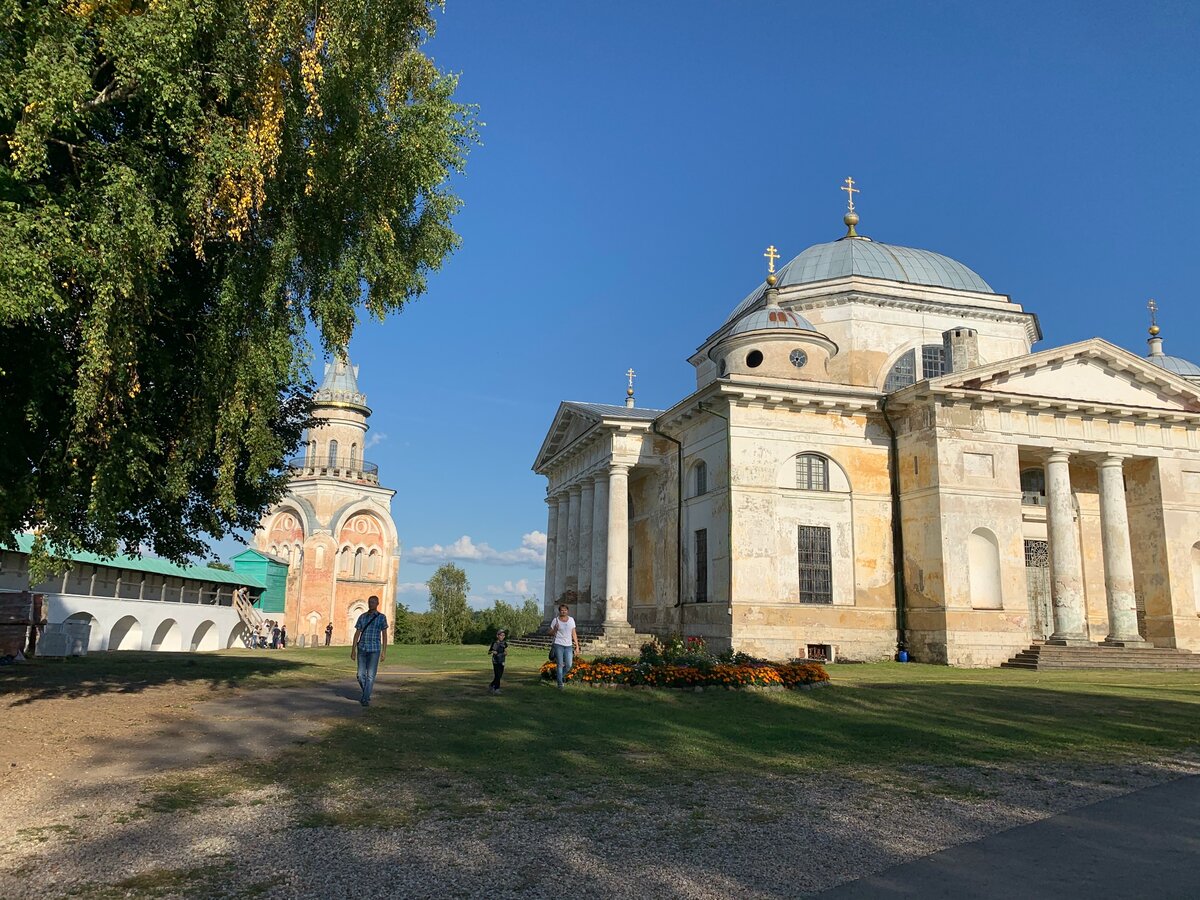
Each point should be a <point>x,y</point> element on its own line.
<point>1145,844</point>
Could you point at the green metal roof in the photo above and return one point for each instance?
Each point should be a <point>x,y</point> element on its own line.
<point>153,565</point>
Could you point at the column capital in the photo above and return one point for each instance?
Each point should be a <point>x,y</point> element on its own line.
<point>1058,454</point>
<point>617,468</point>
<point>1113,460</point>
<point>574,489</point>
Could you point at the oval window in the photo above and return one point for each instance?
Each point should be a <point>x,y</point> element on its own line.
<point>798,358</point>
<point>754,359</point>
<point>721,368</point>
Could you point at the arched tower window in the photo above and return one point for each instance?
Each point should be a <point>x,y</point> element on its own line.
<point>700,479</point>
<point>358,562</point>
<point>812,472</point>
<point>353,455</point>
<point>333,454</point>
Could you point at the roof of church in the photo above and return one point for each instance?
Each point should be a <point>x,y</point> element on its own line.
<point>771,317</point>
<point>1176,364</point>
<point>610,411</point>
<point>871,259</point>
<point>340,385</point>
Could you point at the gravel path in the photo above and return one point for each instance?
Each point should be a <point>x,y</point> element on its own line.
<point>88,825</point>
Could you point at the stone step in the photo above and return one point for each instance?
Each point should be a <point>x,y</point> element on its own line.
<point>1097,656</point>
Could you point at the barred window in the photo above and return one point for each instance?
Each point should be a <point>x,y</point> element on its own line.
<point>933,360</point>
<point>701,543</point>
<point>333,451</point>
<point>816,564</point>
<point>812,472</point>
<point>700,479</point>
<point>903,373</point>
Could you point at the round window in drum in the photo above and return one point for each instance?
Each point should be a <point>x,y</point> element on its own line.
<point>754,359</point>
<point>798,358</point>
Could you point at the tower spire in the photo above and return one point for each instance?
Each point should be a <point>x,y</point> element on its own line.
<point>851,217</point>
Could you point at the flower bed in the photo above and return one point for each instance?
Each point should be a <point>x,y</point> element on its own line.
<point>729,675</point>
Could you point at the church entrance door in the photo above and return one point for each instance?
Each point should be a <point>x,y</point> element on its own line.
<point>1037,581</point>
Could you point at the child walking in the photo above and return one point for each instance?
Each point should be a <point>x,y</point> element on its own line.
<point>499,650</point>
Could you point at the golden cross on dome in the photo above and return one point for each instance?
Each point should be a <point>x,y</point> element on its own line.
<point>1153,307</point>
<point>850,190</point>
<point>772,254</point>
<point>631,375</point>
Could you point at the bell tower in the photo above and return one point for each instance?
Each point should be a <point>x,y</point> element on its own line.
<point>334,527</point>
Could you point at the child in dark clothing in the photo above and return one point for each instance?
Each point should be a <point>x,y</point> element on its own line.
<point>499,650</point>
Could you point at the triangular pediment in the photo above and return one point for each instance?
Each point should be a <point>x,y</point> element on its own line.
<point>1092,372</point>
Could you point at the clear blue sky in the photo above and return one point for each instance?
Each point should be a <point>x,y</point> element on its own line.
<point>638,157</point>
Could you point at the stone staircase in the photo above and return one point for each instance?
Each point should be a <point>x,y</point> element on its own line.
<point>594,640</point>
<point>1100,656</point>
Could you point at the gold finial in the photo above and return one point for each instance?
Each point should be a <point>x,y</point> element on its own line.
<point>1154,329</point>
<point>772,254</point>
<point>630,375</point>
<point>851,217</point>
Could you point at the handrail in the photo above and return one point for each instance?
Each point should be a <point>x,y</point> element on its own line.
<point>347,465</point>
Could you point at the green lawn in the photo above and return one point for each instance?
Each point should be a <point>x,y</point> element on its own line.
<point>873,717</point>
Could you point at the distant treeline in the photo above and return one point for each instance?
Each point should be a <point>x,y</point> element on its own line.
<point>473,627</point>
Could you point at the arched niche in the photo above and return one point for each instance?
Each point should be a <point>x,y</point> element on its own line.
<point>167,636</point>
<point>206,637</point>
<point>983,568</point>
<point>838,480</point>
<point>126,634</point>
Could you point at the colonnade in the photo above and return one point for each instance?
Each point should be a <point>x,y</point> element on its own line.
<point>587,547</point>
<point>1066,563</point>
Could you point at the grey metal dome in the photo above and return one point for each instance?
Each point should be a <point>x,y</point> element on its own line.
<point>871,259</point>
<point>1175,364</point>
<point>772,317</point>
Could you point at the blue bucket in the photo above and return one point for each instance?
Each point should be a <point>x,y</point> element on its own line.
<point>902,656</point>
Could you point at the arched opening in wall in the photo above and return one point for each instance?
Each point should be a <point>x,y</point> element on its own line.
<point>96,635</point>
<point>353,455</point>
<point>903,373</point>
<point>333,452</point>
<point>700,479</point>
<point>344,561</point>
<point>812,472</point>
<point>983,567</point>
<point>206,637</point>
<point>1196,575</point>
<point>357,608</point>
<point>320,558</point>
<point>238,636</point>
<point>373,562</point>
<point>126,634</point>
<point>358,562</point>
<point>167,636</point>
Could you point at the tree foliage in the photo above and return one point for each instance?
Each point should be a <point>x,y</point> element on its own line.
<point>186,189</point>
<point>448,610</point>
<point>405,625</point>
<point>513,619</point>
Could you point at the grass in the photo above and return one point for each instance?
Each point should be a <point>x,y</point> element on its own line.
<point>430,719</point>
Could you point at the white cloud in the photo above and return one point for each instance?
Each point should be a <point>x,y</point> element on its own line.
<point>532,552</point>
<point>412,587</point>
<point>518,588</point>
<point>376,439</point>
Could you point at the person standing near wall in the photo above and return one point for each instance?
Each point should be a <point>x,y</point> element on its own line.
<point>328,633</point>
<point>369,647</point>
<point>499,651</point>
<point>562,629</point>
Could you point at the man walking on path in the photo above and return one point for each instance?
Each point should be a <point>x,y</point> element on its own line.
<point>370,641</point>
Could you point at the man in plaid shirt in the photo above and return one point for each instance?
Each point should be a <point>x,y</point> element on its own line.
<point>369,647</point>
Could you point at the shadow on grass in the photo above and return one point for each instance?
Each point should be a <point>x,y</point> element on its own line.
<point>131,672</point>
<point>591,734</point>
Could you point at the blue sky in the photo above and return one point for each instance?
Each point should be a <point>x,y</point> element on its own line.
<point>638,157</point>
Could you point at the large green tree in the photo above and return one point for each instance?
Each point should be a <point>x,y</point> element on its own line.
<point>449,614</point>
<point>187,190</point>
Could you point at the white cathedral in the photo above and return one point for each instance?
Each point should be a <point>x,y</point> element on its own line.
<point>875,459</point>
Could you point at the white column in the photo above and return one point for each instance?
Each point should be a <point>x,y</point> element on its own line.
<point>1066,569</point>
<point>1118,557</point>
<point>586,495</point>
<point>599,545</point>
<point>572,581</point>
<point>551,556</point>
<point>560,552</point>
<point>616,610</point>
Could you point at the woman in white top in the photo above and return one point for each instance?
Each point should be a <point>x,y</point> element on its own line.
<point>566,642</point>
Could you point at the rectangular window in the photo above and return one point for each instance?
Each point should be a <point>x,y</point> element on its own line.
<point>702,565</point>
<point>812,473</point>
<point>933,360</point>
<point>816,565</point>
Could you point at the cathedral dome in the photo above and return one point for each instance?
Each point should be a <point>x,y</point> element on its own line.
<point>339,387</point>
<point>871,259</point>
<point>1176,365</point>
<point>772,317</point>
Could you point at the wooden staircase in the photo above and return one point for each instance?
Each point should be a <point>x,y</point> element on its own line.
<point>1043,656</point>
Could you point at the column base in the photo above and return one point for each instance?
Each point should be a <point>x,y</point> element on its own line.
<point>1136,641</point>
<point>1068,640</point>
